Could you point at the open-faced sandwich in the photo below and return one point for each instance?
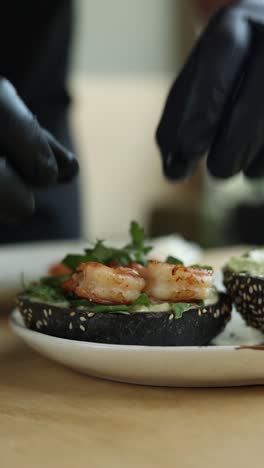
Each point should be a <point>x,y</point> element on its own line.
<point>121,296</point>
<point>244,281</point>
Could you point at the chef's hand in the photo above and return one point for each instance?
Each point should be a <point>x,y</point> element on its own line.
<point>216,106</point>
<point>29,157</point>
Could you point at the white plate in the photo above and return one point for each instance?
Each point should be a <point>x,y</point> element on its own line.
<point>164,366</point>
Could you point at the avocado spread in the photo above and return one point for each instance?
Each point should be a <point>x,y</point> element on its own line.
<point>251,263</point>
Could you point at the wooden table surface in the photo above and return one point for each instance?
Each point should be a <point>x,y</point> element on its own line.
<point>52,417</point>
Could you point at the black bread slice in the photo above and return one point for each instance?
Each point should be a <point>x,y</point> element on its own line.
<point>197,326</point>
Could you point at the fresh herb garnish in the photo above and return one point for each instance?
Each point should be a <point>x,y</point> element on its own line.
<point>54,281</point>
<point>110,308</point>
<point>173,260</point>
<point>77,301</point>
<point>45,292</point>
<point>91,306</point>
<point>179,309</point>
<point>143,299</point>
<point>137,235</point>
<point>135,251</point>
<point>202,267</point>
<point>72,260</point>
<point>199,303</point>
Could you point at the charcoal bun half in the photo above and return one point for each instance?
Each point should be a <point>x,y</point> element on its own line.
<point>197,326</point>
<point>247,293</point>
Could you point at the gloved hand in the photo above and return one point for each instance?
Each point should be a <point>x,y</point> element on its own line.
<point>216,106</point>
<point>29,157</point>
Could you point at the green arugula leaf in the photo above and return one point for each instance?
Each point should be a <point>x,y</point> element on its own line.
<point>134,252</point>
<point>143,299</point>
<point>173,260</point>
<point>54,281</point>
<point>179,309</point>
<point>137,234</point>
<point>72,261</point>
<point>93,307</point>
<point>200,303</point>
<point>100,253</point>
<point>202,267</point>
<point>44,292</point>
<point>110,308</point>
<point>77,301</point>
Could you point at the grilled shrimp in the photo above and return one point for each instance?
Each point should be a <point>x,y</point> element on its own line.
<point>167,282</point>
<point>105,285</point>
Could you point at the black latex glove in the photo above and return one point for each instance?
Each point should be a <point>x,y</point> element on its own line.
<point>216,105</point>
<point>29,157</point>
